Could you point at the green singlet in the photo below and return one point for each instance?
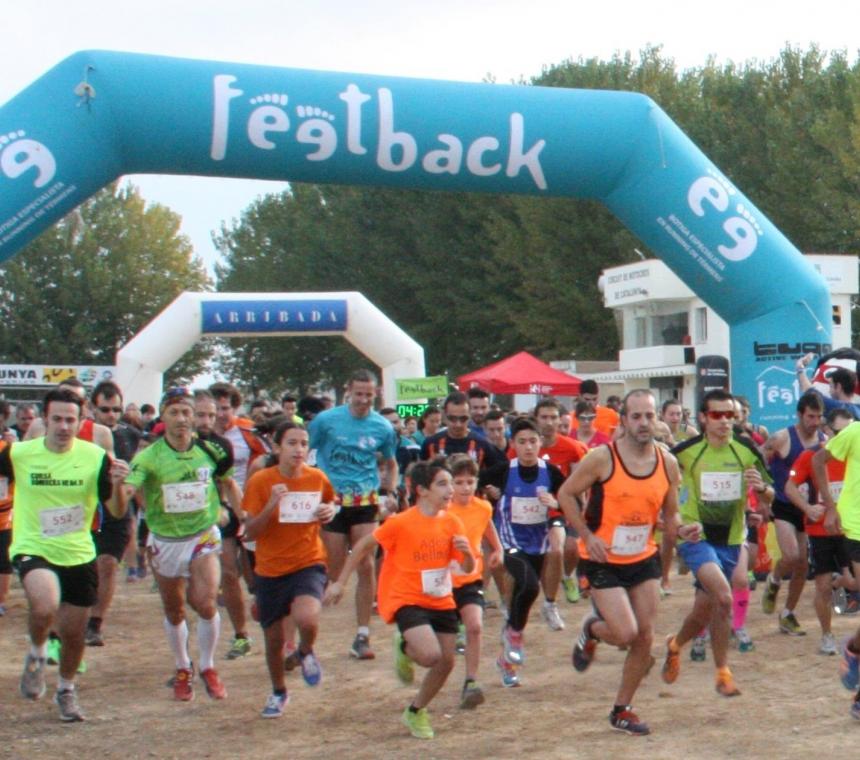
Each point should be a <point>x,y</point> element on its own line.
<point>713,487</point>
<point>56,496</point>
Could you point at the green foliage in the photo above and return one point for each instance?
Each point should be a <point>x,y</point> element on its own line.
<point>85,286</point>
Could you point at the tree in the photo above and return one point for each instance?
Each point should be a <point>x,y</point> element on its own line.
<point>88,284</point>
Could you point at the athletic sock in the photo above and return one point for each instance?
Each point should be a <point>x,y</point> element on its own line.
<point>740,605</point>
<point>618,709</point>
<point>177,637</point>
<point>94,624</point>
<point>64,684</point>
<point>207,640</point>
<point>39,651</point>
<point>363,630</point>
<point>771,581</point>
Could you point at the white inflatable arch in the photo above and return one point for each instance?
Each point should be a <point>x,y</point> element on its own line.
<point>141,363</point>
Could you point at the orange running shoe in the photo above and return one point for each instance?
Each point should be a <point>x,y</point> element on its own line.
<point>182,688</point>
<point>214,685</point>
<point>726,683</point>
<point>672,665</point>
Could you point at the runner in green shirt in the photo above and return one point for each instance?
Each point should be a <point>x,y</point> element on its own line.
<point>176,476</point>
<point>59,481</point>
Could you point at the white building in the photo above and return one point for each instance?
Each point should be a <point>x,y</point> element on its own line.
<point>665,327</point>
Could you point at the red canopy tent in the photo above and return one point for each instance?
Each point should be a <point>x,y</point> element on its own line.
<point>521,373</point>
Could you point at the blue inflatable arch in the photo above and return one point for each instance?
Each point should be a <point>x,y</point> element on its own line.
<point>98,115</point>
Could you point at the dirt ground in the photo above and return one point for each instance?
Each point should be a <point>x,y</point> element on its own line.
<point>792,703</point>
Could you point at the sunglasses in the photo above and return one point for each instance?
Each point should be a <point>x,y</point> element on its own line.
<point>586,417</point>
<point>714,415</point>
<point>457,418</point>
<point>109,409</point>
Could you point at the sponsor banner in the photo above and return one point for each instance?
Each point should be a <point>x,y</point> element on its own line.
<point>45,374</point>
<point>415,389</point>
<point>712,372</point>
<point>276,316</point>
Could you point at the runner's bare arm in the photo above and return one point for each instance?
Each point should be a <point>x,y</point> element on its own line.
<point>595,467</point>
<point>461,544</point>
<point>256,525</point>
<point>792,493</point>
<point>779,443</point>
<point>491,536</point>
<point>832,523</point>
<point>117,504</point>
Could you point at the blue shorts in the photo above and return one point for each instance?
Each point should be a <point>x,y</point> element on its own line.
<point>701,552</point>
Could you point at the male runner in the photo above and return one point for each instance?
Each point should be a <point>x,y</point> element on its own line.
<point>347,440</point>
<point>177,475</point>
<point>632,482</point>
<point>717,469</point>
<point>112,538</point>
<point>59,481</point>
<point>458,438</point>
<point>781,450</point>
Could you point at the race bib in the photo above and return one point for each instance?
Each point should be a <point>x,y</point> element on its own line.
<point>436,582</point>
<point>4,489</point>
<point>720,486</point>
<point>628,540</point>
<point>527,510</point>
<point>298,507</point>
<point>836,489</point>
<point>61,520</point>
<point>184,497</point>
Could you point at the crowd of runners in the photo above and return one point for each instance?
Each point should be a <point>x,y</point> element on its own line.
<point>270,515</point>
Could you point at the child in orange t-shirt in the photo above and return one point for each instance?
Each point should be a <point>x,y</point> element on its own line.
<point>415,587</point>
<point>477,517</point>
<point>285,505</point>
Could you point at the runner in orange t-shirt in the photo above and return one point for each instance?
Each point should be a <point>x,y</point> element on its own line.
<point>415,586</point>
<point>285,506</point>
<point>477,517</point>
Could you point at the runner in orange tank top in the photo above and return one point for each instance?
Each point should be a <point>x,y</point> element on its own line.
<point>632,481</point>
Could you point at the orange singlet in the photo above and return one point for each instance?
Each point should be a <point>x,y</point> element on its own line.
<point>623,510</point>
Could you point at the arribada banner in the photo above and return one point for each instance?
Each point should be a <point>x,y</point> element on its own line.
<point>98,115</point>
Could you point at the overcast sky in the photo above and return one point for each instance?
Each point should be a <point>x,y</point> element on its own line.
<point>461,40</point>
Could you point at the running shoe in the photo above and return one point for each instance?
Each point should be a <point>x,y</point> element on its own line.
<point>460,643</point>
<point>512,644</point>
<point>53,651</point>
<point>586,644</point>
<point>418,723</point>
<point>855,708</point>
<point>788,624</point>
<point>628,722</point>
<point>849,671</point>
<point>472,696</point>
<point>93,638</point>
<point>131,575</point>
<point>292,661</point>
<point>33,678</point>
<point>183,690</point>
<point>665,591</point>
<point>214,685</point>
<point>311,669</point>
<point>403,665</point>
<point>549,612</point>
<point>240,647</point>
<point>275,705</point>
<point>743,640</point>
<point>361,648</point>
<point>699,649</point>
<point>510,679</point>
<point>70,710</point>
<point>726,683</point>
<point>828,645</point>
<point>768,598</point>
<point>672,664</point>
<point>571,590</point>
<point>852,607</point>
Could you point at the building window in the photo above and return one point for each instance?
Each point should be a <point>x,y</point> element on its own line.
<point>670,329</point>
<point>641,339</point>
<point>701,325</point>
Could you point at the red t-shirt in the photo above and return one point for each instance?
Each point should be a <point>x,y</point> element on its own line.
<point>802,474</point>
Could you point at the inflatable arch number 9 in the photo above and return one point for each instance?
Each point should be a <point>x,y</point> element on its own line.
<point>98,115</point>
